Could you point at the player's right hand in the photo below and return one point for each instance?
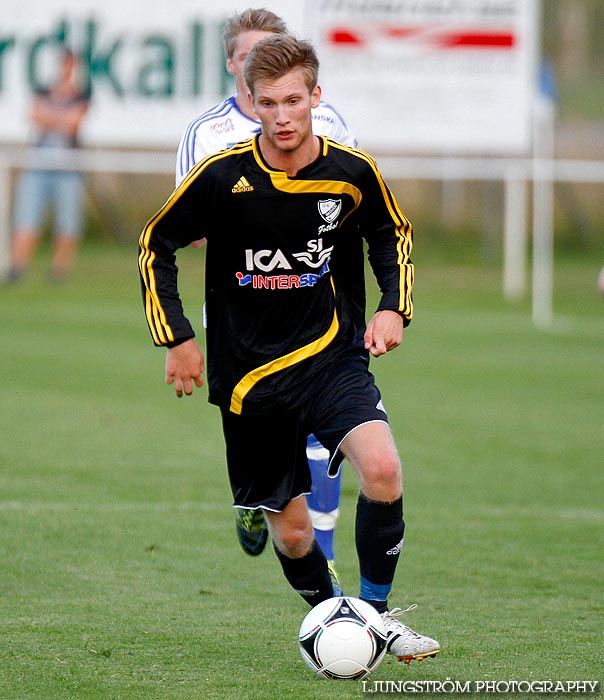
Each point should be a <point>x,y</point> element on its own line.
<point>184,367</point>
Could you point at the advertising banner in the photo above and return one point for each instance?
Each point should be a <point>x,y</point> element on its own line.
<point>151,66</point>
<point>431,76</point>
<point>409,76</point>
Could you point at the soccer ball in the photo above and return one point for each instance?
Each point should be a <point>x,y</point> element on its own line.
<point>343,638</point>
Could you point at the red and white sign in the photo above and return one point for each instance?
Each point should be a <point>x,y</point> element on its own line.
<point>430,76</point>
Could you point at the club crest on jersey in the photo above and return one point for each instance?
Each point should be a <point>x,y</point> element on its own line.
<point>330,209</point>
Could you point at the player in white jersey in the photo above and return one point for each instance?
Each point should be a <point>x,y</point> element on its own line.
<point>226,124</point>
<point>220,127</point>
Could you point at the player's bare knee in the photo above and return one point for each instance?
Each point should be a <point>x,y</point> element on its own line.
<point>295,542</point>
<point>382,478</point>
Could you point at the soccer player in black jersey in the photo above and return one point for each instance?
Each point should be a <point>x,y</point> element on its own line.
<point>222,126</point>
<point>284,215</point>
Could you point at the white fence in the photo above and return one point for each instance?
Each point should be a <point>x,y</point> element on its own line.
<point>517,174</point>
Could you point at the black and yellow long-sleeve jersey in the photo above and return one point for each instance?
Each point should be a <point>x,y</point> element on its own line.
<point>285,289</point>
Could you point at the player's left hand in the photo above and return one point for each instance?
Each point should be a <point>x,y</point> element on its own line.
<point>384,332</point>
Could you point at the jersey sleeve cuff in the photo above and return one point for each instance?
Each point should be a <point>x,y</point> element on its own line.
<point>179,341</point>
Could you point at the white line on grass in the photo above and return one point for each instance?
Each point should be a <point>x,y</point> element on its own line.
<point>585,514</point>
<point>39,506</point>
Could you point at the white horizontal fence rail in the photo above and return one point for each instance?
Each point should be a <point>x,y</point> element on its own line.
<point>515,173</point>
<point>457,168</point>
<point>391,167</point>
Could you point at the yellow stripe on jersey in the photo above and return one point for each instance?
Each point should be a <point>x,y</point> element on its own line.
<point>283,183</point>
<point>404,232</point>
<point>403,228</point>
<point>156,317</point>
<point>248,382</point>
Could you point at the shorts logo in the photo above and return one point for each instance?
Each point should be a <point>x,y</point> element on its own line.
<point>242,185</point>
<point>330,209</point>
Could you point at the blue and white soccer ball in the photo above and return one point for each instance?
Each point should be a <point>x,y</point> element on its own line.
<point>343,638</point>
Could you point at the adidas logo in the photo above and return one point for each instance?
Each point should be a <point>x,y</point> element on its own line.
<point>397,549</point>
<point>242,185</point>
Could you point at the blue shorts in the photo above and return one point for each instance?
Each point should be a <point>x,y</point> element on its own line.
<point>39,192</point>
<point>266,454</point>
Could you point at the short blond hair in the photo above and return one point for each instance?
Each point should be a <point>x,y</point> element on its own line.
<point>250,20</point>
<point>275,56</point>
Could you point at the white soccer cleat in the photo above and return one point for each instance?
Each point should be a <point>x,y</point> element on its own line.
<point>403,641</point>
<point>601,282</point>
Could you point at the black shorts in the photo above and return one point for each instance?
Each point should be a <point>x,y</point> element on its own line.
<point>266,454</point>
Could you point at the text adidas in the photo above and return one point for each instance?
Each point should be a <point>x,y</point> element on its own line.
<point>242,185</point>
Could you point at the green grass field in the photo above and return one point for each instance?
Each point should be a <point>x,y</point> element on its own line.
<point>121,577</point>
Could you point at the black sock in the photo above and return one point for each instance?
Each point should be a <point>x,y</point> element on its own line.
<point>379,539</point>
<point>308,575</point>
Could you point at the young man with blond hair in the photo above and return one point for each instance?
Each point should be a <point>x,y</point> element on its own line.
<point>220,127</point>
<point>288,348</point>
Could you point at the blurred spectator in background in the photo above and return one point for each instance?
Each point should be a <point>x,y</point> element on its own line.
<point>56,113</point>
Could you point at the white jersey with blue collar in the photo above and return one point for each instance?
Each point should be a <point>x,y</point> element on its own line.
<point>225,125</point>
